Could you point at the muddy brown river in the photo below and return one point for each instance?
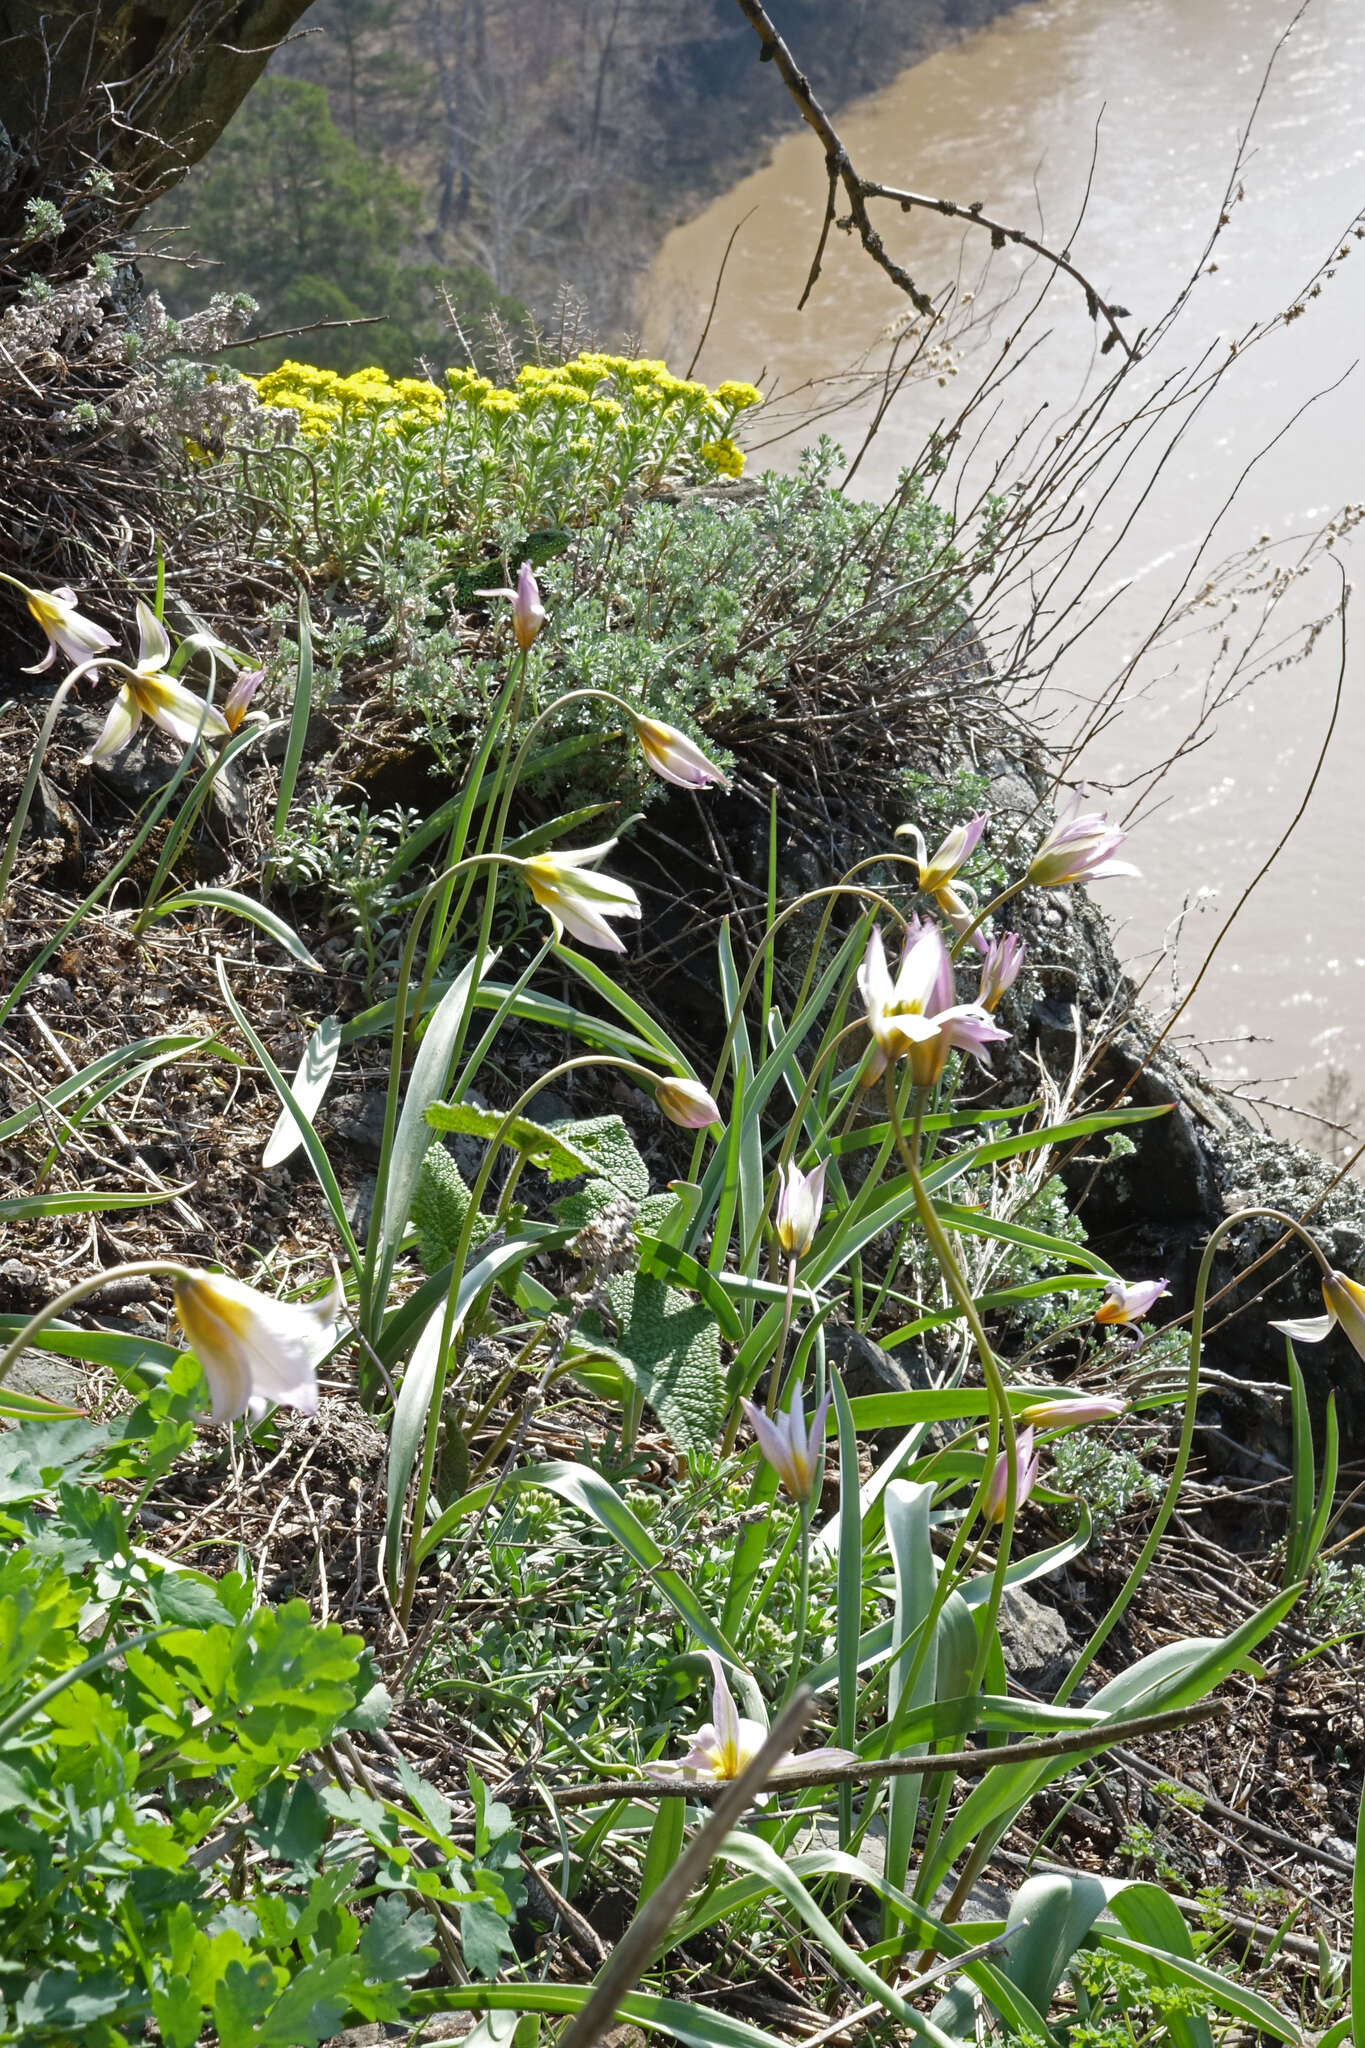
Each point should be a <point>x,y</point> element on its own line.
<point>1008,117</point>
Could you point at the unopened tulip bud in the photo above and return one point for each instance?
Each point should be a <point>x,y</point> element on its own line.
<point>874,1065</point>
<point>1000,969</point>
<point>1072,1414</point>
<point>1026,1467</point>
<point>675,758</point>
<point>687,1103</point>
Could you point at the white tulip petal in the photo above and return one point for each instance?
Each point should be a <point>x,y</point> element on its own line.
<point>1306,1329</point>
<point>124,718</point>
<point>153,641</point>
<point>178,711</point>
<point>229,1385</point>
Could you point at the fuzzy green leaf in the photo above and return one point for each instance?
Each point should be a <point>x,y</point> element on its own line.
<point>669,1348</point>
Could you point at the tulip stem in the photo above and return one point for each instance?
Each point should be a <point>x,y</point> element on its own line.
<point>798,1649</point>
<point>1182,1456</point>
<point>780,1354</point>
<point>505,712</point>
<point>996,903</point>
<point>1001,1419</point>
<point>92,1285</point>
<point>753,1615</point>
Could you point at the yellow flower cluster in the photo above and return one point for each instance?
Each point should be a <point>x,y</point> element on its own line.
<point>324,398</point>
<point>607,392</point>
<point>738,397</point>
<point>724,456</point>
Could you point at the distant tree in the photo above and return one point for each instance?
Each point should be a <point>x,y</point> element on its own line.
<point>293,212</point>
<point>101,108</point>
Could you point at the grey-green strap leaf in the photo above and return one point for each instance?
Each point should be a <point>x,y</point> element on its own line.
<point>311,1083</point>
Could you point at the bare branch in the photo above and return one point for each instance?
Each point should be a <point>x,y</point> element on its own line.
<point>858,190</point>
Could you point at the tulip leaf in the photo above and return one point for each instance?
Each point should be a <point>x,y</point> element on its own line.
<point>759,1086</point>
<point>113,1348</point>
<point>300,713</point>
<point>311,1083</point>
<point>1177,1675</point>
<point>651,1033</point>
<point>972,1157</point>
<point>1000,1297</point>
<point>1358,1931</point>
<point>1049,1918</point>
<point>404,1147</point>
<point>86,1201</point>
<point>784,1877</point>
<point>246,907</point>
<point>695,2026</point>
<point>915,1570</point>
<point>415,1392</point>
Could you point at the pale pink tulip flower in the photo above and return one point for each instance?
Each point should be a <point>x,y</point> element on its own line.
<point>1123,1303</point>
<point>68,631</point>
<point>937,876</point>
<point>915,1016</point>
<point>1345,1301</point>
<point>796,1454</point>
<point>674,757</point>
<point>238,700</point>
<point>800,1198</point>
<point>148,693</point>
<point>728,1743</point>
<point>579,900</point>
<point>1078,849</point>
